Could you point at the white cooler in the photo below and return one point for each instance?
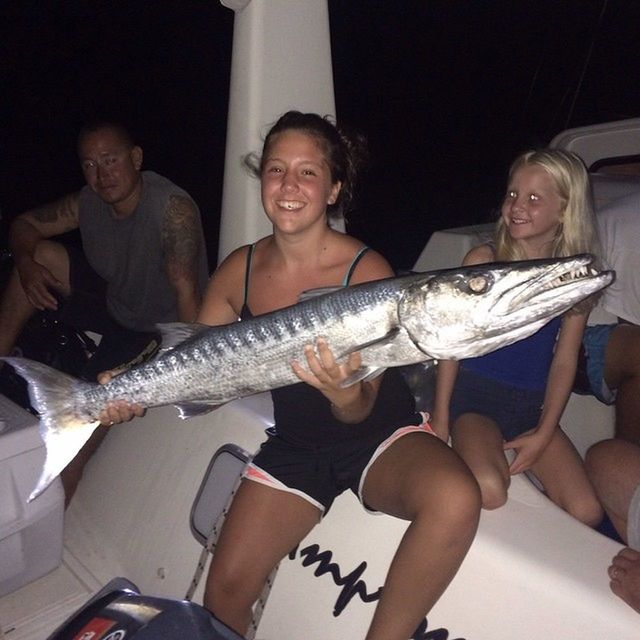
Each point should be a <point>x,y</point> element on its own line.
<point>30,533</point>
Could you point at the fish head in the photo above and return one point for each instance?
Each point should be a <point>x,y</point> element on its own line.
<point>469,311</point>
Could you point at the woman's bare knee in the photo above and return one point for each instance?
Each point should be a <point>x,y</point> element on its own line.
<point>224,584</point>
<point>494,490</point>
<point>587,510</point>
<point>458,506</point>
<point>229,596</point>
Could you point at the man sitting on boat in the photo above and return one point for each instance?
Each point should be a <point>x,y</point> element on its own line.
<point>143,261</point>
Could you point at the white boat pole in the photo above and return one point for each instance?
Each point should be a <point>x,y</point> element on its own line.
<point>281,60</point>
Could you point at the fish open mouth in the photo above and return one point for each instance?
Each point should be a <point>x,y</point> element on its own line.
<point>562,279</point>
<point>585,271</point>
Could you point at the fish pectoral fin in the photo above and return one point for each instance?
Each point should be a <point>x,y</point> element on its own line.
<point>315,293</point>
<point>383,351</point>
<point>364,374</point>
<point>377,343</point>
<point>191,409</point>
<point>175,333</point>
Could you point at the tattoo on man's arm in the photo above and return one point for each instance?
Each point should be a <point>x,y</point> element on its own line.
<point>64,211</point>
<point>181,237</point>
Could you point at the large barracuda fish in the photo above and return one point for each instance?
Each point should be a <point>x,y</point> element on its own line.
<point>452,314</point>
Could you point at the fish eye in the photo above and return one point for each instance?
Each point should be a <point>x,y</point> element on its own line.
<point>478,284</point>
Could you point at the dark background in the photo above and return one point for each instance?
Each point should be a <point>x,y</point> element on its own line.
<point>446,91</point>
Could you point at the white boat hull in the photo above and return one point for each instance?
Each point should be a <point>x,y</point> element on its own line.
<point>532,571</point>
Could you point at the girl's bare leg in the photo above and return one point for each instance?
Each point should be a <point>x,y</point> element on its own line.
<point>263,525</point>
<point>564,477</point>
<point>478,441</point>
<point>419,478</point>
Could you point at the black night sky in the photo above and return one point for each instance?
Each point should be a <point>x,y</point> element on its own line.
<point>446,91</point>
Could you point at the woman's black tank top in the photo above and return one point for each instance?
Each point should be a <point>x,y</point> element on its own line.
<point>303,415</point>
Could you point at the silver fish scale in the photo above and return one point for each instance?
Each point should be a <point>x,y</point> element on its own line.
<point>223,363</point>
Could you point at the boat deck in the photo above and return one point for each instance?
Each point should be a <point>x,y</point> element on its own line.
<point>532,571</point>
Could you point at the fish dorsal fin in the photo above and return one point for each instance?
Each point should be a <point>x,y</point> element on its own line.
<point>175,333</point>
<point>315,293</point>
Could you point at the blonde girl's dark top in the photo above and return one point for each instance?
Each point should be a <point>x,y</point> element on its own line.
<point>524,364</point>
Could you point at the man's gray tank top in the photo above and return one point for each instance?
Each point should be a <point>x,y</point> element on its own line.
<point>128,254</point>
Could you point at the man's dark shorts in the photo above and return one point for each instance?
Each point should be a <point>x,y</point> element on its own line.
<point>590,372</point>
<point>86,310</point>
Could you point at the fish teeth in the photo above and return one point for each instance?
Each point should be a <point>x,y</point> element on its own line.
<point>576,274</point>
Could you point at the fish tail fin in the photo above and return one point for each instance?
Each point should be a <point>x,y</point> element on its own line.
<point>63,430</point>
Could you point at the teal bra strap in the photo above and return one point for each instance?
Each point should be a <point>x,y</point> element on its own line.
<point>354,264</point>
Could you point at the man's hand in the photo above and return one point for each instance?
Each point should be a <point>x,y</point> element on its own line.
<point>37,282</point>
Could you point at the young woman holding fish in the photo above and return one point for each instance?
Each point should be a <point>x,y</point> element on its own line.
<point>329,438</point>
<point>513,398</point>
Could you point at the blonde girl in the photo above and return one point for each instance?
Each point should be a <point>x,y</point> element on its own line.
<point>513,398</point>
